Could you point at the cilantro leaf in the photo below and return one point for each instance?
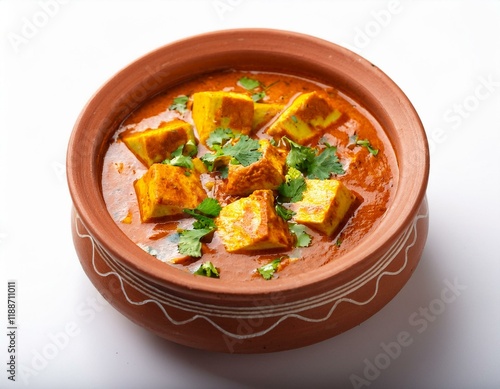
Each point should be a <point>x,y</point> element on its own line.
<point>209,158</point>
<point>353,140</point>
<point>366,143</point>
<point>183,161</point>
<point>293,173</point>
<point>209,207</point>
<point>190,241</point>
<point>285,213</point>
<point>312,163</point>
<point>248,83</point>
<point>219,136</point>
<point>245,150</point>
<point>267,271</point>
<point>204,213</point>
<point>177,151</point>
<point>180,103</point>
<point>191,148</point>
<point>216,161</point>
<point>258,96</point>
<point>202,221</point>
<point>299,156</point>
<point>178,159</point>
<point>224,171</point>
<point>292,189</point>
<point>325,164</point>
<point>207,269</point>
<point>303,238</point>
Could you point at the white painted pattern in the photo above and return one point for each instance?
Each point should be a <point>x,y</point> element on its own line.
<point>280,311</point>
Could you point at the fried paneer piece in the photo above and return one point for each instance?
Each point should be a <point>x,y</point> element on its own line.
<point>212,110</point>
<point>324,205</point>
<point>165,190</point>
<point>306,118</point>
<point>252,224</point>
<point>156,145</point>
<point>263,113</point>
<point>266,173</point>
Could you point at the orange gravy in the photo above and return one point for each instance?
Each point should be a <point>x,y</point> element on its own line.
<point>372,178</point>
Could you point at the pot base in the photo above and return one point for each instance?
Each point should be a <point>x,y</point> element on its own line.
<point>253,326</point>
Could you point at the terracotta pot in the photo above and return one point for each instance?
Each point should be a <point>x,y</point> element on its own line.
<point>219,315</point>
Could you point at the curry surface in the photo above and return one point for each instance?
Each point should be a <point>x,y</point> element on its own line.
<point>373,179</point>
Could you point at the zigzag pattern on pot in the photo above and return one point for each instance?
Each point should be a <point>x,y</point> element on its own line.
<point>280,311</point>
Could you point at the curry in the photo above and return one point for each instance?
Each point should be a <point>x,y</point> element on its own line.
<point>249,175</point>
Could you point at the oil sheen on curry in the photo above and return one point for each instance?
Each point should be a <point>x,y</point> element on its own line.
<point>249,176</point>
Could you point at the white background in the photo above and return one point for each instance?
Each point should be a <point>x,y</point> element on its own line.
<point>445,55</point>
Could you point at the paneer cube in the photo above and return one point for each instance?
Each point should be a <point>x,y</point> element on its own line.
<point>165,190</point>
<point>324,205</point>
<point>155,145</point>
<point>305,119</point>
<point>263,113</point>
<point>266,173</point>
<point>252,224</point>
<point>212,110</point>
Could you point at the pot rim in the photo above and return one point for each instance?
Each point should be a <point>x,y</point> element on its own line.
<point>95,125</point>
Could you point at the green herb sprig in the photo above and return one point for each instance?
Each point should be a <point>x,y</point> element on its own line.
<point>227,146</point>
<point>353,140</point>
<point>179,104</point>
<point>292,191</point>
<point>314,163</point>
<point>207,269</point>
<point>303,238</point>
<point>177,158</point>
<point>251,84</point>
<point>267,271</point>
<point>204,214</point>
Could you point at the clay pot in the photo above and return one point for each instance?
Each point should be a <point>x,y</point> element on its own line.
<point>235,317</point>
